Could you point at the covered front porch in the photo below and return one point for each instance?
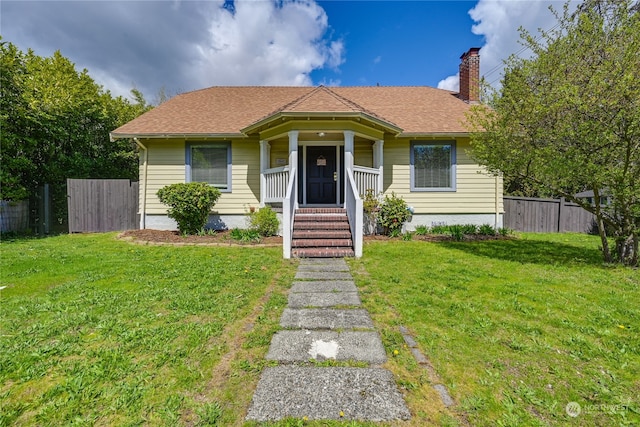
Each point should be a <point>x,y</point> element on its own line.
<point>321,168</point>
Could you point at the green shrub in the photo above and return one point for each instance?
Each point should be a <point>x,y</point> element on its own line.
<point>393,213</point>
<point>457,232</point>
<point>469,229</point>
<point>396,232</point>
<point>407,236</point>
<point>505,232</point>
<point>264,221</point>
<point>421,230</point>
<point>487,230</point>
<point>440,229</point>
<point>371,207</point>
<point>189,204</point>
<point>245,235</point>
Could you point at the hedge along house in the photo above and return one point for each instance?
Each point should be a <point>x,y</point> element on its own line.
<point>314,152</point>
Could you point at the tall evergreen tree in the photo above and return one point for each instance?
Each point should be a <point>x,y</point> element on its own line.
<point>55,124</point>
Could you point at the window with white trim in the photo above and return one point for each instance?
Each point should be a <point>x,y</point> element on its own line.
<point>433,166</point>
<point>210,163</point>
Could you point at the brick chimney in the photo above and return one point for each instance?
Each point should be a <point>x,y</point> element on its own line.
<point>470,76</point>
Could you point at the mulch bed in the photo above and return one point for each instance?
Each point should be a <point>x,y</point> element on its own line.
<point>174,237</point>
<point>224,238</point>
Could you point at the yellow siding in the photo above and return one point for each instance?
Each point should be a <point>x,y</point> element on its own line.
<point>279,150</point>
<point>166,165</point>
<point>475,190</point>
<point>363,154</point>
<point>245,182</point>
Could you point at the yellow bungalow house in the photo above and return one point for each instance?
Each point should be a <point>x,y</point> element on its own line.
<point>315,151</point>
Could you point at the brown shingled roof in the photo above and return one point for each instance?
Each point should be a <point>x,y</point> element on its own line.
<point>227,110</point>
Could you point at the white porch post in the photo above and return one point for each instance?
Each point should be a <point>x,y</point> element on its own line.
<point>348,149</point>
<point>265,149</point>
<point>378,162</point>
<point>293,159</point>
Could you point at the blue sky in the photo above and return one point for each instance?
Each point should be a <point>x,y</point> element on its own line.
<point>399,43</point>
<point>183,45</point>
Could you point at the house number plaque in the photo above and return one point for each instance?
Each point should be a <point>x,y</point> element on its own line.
<point>321,161</point>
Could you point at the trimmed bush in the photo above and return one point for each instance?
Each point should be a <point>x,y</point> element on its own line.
<point>393,213</point>
<point>189,204</point>
<point>264,221</point>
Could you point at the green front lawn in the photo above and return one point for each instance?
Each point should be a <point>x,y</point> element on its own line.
<point>97,331</point>
<point>100,331</point>
<point>515,329</point>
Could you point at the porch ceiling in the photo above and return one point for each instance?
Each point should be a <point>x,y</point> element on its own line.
<point>313,137</point>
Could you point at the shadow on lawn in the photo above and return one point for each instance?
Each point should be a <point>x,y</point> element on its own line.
<point>532,252</point>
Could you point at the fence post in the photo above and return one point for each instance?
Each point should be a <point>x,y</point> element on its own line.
<point>561,213</point>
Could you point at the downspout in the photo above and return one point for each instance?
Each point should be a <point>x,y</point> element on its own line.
<point>143,203</point>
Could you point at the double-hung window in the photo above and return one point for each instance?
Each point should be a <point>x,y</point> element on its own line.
<point>433,166</point>
<point>210,163</point>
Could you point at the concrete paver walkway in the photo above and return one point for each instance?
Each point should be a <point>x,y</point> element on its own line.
<point>323,321</point>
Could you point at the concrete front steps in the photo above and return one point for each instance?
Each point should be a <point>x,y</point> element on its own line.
<point>324,320</point>
<point>321,233</point>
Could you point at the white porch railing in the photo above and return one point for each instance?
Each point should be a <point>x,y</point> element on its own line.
<point>275,184</point>
<point>367,179</point>
<point>288,210</point>
<point>353,205</point>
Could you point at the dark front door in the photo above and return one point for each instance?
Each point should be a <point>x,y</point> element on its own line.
<point>321,175</point>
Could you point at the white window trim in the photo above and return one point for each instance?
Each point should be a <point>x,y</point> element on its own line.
<point>187,162</point>
<point>454,162</point>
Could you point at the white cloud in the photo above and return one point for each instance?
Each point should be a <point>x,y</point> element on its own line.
<point>451,83</point>
<point>498,21</point>
<point>377,59</point>
<point>265,43</point>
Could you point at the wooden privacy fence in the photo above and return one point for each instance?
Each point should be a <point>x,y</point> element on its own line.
<point>100,205</point>
<point>546,215</point>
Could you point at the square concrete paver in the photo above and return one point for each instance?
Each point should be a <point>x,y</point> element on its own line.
<point>323,275</point>
<point>325,318</point>
<point>323,261</point>
<point>324,267</point>
<point>324,286</point>
<point>304,345</point>
<point>326,299</point>
<point>322,393</point>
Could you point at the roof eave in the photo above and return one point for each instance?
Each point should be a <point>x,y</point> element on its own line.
<point>114,136</point>
<point>433,134</point>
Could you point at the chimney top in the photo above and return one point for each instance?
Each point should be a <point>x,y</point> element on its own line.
<point>474,51</point>
<point>470,76</point>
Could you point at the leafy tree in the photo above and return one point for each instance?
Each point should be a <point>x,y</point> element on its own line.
<point>55,125</point>
<point>568,119</point>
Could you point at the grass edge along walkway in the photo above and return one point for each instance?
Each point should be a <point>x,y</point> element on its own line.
<point>516,329</point>
<point>293,390</point>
